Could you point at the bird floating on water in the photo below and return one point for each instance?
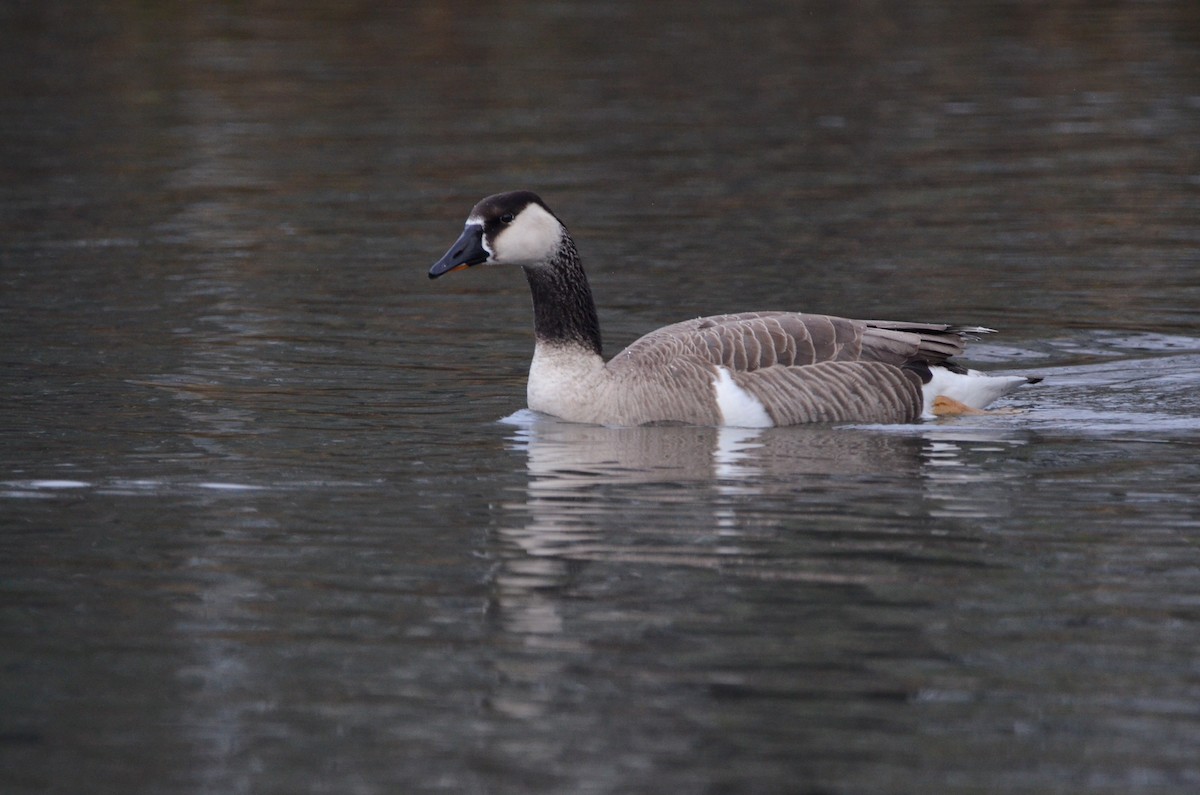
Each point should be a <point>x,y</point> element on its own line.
<point>751,369</point>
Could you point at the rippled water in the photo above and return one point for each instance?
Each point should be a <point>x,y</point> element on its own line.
<point>273,517</point>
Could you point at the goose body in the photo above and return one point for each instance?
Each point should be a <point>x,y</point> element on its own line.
<point>752,369</point>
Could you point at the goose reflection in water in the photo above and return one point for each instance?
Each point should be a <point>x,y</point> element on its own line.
<point>818,506</point>
<point>585,479</point>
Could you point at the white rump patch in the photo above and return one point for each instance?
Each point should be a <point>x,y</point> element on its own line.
<point>738,407</point>
<point>973,388</point>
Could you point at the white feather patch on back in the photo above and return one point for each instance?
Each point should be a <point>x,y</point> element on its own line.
<point>738,407</point>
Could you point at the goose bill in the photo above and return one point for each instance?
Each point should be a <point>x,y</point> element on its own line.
<point>468,250</point>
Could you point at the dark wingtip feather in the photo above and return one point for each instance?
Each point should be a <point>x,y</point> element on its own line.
<point>921,368</point>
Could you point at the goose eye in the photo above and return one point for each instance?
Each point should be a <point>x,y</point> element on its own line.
<point>507,218</point>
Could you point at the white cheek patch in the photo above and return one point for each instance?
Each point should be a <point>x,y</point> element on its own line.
<point>533,237</point>
<point>738,407</point>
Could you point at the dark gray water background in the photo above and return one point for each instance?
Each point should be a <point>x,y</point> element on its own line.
<point>272,519</point>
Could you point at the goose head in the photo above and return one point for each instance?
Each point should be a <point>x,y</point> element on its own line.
<point>506,229</point>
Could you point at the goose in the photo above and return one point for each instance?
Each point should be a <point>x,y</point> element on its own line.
<point>752,369</point>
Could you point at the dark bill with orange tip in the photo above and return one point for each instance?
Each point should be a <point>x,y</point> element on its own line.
<point>468,250</point>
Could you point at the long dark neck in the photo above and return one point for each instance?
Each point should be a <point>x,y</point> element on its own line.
<point>563,309</point>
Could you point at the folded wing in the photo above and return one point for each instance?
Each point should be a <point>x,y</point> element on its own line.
<point>806,368</point>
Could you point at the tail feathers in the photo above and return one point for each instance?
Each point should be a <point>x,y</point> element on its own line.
<point>935,342</point>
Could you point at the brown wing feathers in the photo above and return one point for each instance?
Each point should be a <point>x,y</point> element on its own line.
<point>803,368</point>
<point>835,392</point>
<point>933,342</point>
<point>755,340</point>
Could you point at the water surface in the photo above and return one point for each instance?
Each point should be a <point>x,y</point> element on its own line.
<point>273,518</point>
